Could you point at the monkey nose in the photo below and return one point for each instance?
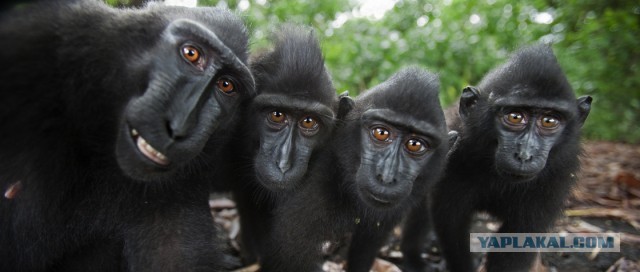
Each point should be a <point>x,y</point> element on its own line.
<point>284,165</point>
<point>385,180</point>
<point>523,156</point>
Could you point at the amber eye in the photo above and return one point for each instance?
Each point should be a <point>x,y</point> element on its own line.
<point>515,118</point>
<point>277,117</point>
<point>380,134</point>
<point>226,85</point>
<point>549,122</point>
<point>416,146</point>
<point>308,122</point>
<point>191,54</point>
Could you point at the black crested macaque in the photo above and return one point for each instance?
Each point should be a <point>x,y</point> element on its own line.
<point>107,117</point>
<point>515,158</point>
<point>289,120</point>
<point>379,164</point>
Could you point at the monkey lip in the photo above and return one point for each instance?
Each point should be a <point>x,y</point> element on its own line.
<point>378,199</point>
<point>522,177</point>
<point>149,151</point>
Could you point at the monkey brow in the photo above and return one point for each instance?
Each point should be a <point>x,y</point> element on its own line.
<point>561,106</point>
<point>295,104</point>
<point>407,122</point>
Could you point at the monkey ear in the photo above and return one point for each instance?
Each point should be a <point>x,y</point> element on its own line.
<point>584,107</point>
<point>468,99</point>
<point>345,106</point>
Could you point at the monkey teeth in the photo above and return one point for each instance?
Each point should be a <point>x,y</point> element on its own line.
<point>148,151</point>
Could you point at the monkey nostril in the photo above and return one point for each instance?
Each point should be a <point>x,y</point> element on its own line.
<point>176,133</point>
<point>380,178</point>
<point>523,157</point>
<point>167,126</point>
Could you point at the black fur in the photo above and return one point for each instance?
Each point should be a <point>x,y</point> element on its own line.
<point>336,198</point>
<point>76,77</point>
<point>527,200</point>
<point>291,79</point>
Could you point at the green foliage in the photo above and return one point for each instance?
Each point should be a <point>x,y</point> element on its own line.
<point>601,54</point>
<point>262,17</point>
<point>597,43</point>
<point>125,3</point>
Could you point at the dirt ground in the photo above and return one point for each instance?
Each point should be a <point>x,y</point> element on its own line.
<point>606,199</point>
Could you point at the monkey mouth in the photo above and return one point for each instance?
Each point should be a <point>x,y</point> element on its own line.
<point>518,177</point>
<point>149,151</point>
<point>379,200</point>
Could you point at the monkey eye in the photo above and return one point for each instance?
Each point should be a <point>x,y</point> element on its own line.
<point>277,117</point>
<point>308,122</point>
<point>308,126</point>
<point>515,119</point>
<point>226,85</point>
<point>416,146</point>
<point>549,122</point>
<point>191,54</point>
<point>380,134</point>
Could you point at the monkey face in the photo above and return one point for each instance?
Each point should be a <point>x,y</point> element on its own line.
<point>290,130</point>
<point>193,89</point>
<point>392,156</point>
<point>525,138</point>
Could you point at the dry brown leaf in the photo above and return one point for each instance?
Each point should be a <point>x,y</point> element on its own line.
<point>380,265</point>
<point>251,268</point>
<point>630,214</point>
<point>627,179</point>
<point>624,265</point>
